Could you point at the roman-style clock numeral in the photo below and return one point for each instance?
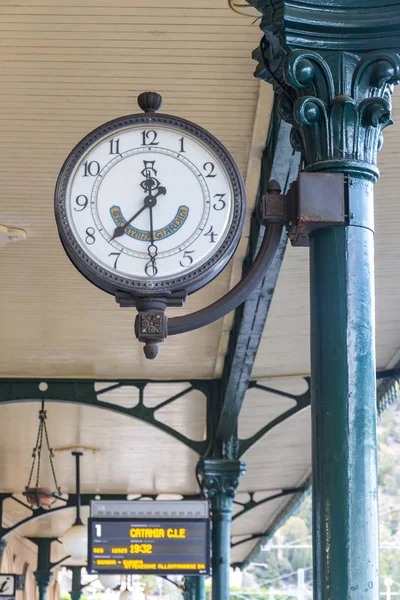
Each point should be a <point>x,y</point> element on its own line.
<point>150,269</point>
<point>211,234</point>
<point>117,255</point>
<point>114,147</point>
<point>220,203</point>
<point>81,201</point>
<point>209,168</point>
<point>149,138</point>
<point>91,168</point>
<point>187,259</point>
<point>90,239</point>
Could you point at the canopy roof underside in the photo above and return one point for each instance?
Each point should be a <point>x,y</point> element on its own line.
<point>65,69</point>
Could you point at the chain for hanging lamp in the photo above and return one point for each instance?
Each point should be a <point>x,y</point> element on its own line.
<point>40,496</point>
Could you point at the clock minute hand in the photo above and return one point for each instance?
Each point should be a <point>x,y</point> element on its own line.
<point>152,249</point>
<point>120,230</point>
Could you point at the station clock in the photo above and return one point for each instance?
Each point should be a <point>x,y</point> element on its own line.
<point>149,204</point>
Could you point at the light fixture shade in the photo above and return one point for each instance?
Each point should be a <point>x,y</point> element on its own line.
<point>75,541</point>
<point>126,595</point>
<point>109,581</point>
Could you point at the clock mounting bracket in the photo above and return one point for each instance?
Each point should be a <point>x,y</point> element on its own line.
<point>151,323</point>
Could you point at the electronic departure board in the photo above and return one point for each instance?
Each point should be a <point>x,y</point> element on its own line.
<point>149,546</point>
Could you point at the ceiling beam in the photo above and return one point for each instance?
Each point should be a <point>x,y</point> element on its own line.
<point>279,162</point>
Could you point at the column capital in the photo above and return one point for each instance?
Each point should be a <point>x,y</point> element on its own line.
<point>332,24</point>
<point>220,479</point>
<point>43,578</point>
<point>333,68</point>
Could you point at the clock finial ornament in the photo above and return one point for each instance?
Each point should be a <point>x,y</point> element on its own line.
<point>149,101</point>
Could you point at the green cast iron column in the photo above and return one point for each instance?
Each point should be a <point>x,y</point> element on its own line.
<point>194,588</point>
<point>189,592</point>
<point>43,573</point>
<point>200,583</point>
<point>220,478</point>
<point>76,589</point>
<point>333,67</point>
<point>43,579</point>
<point>345,509</point>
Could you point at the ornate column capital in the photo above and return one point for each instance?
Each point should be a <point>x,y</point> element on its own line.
<point>220,479</point>
<point>333,68</point>
<point>43,578</point>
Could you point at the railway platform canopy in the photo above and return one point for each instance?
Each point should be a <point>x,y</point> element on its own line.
<point>235,412</point>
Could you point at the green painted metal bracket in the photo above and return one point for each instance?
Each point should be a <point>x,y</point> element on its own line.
<point>301,402</point>
<point>44,552</point>
<point>287,511</point>
<point>251,503</point>
<point>298,496</point>
<point>82,391</point>
<point>70,502</point>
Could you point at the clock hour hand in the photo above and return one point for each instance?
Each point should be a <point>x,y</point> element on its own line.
<point>153,197</point>
<point>120,230</point>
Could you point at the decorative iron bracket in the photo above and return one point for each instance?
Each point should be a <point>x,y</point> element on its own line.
<point>304,208</point>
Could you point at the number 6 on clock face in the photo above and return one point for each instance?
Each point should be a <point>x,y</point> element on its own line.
<point>150,202</point>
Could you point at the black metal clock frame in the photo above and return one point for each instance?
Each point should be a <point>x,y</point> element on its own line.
<point>151,298</point>
<point>137,288</point>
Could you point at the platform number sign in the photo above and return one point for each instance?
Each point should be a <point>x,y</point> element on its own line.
<point>7,586</point>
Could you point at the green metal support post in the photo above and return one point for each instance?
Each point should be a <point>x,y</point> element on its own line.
<point>76,590</point>
<point>189,592</point>
<point>333,67</point>
<point>43,573</point>
<point>220,479</point>
<point>343,405</point>
<point>194,588</point>
<point>200,583</point>
<point>43,579</point>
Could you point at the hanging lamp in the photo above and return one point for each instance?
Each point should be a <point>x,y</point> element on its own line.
<point>109,582</point>
<point>75,540</point>
<point>36,495</point>
<point>127,594</point>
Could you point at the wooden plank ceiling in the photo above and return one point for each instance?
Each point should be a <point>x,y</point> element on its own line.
<point>66,67</point>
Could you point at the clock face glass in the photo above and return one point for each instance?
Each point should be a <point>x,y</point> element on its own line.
<point>149,202</point>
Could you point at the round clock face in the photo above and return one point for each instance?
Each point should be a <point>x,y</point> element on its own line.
<point>149,202</point>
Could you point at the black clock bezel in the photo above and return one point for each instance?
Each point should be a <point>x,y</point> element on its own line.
<point>112,282</point>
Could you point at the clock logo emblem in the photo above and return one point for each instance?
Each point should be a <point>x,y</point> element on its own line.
<point>154,189</point>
